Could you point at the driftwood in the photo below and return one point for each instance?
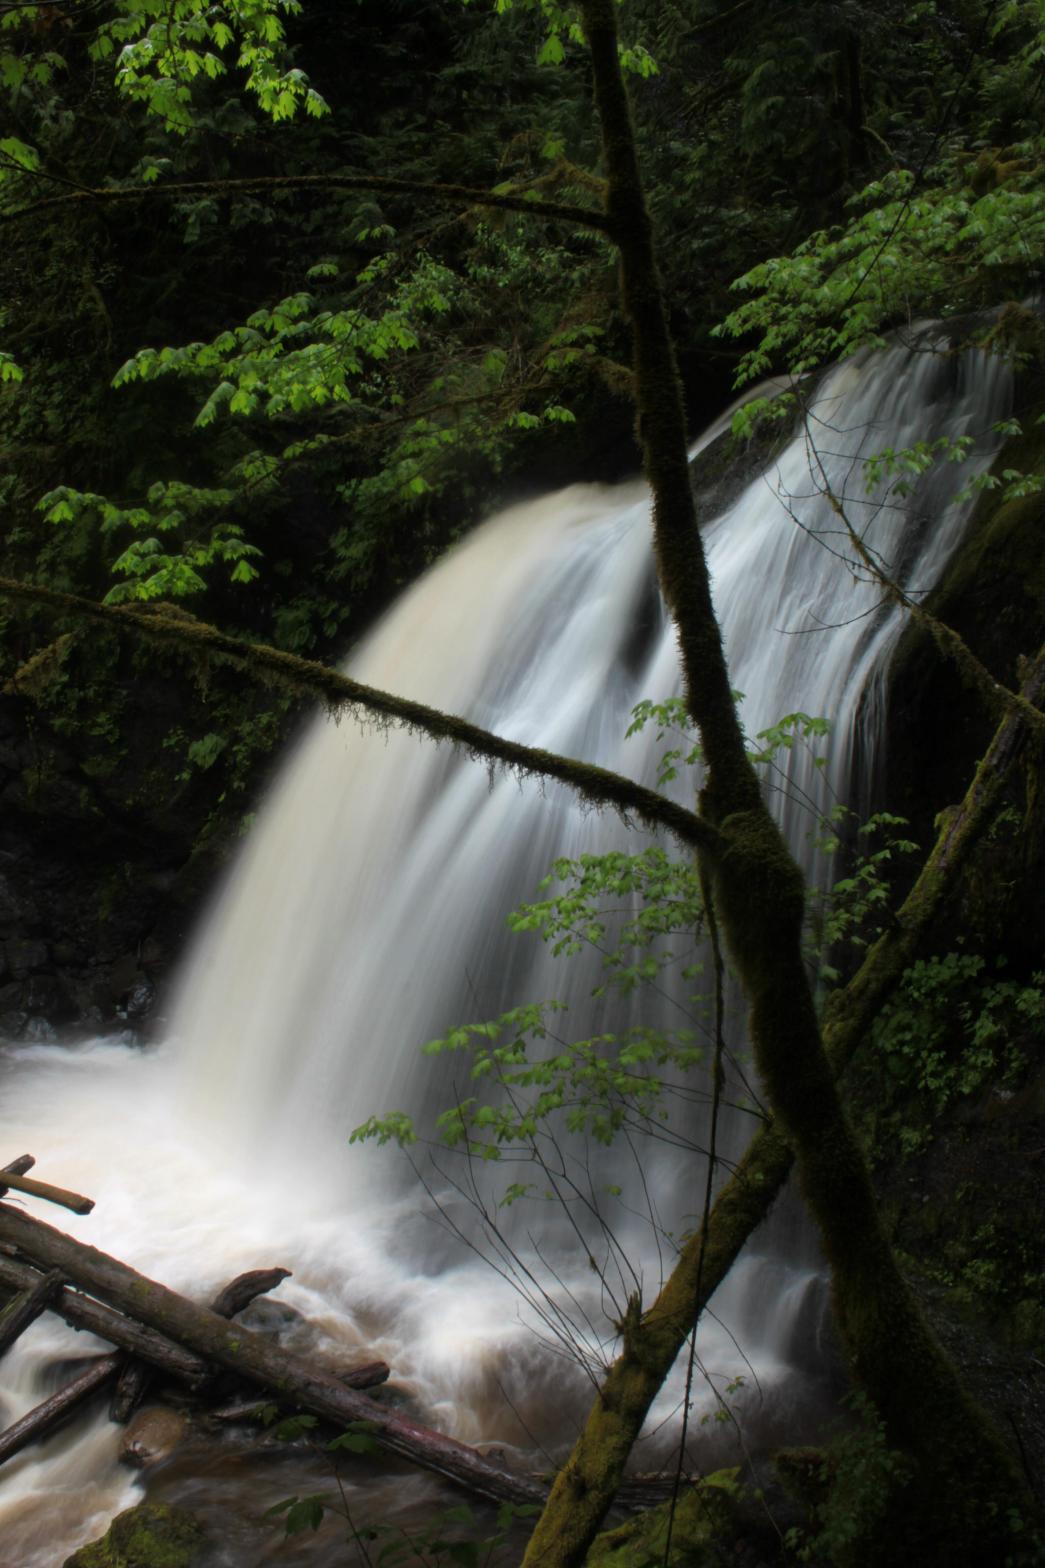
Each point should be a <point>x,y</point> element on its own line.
<point>245,1288</point>
<point>37,1422</point>
<point>131,1387</point>
<point>136,1376</point>
<point>43,1189</point>
<point>251,1411</point>
<point>24,1162</point>
<point>81,1312</point>
<point>287,1378</point>
<point>26,1307</point>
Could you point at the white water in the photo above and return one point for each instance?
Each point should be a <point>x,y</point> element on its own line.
<point>367,913</point>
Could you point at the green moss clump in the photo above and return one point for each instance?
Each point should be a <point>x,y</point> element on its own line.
<point>702,1514</point>
<point>153,1535</point>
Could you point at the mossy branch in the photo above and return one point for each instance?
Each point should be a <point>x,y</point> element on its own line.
<point>460,195</point>
<point>596,787</point>
<point>998,697</point>
<point>585,1486</point>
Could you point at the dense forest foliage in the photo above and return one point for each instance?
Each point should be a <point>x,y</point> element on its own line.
<point>279,403</point>
<point>293,294</point>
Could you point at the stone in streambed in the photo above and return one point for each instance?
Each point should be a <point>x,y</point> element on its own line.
<point>153,1535</point>
<point>154,1434</point>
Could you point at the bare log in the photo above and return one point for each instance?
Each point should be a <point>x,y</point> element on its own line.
<point>242,1290</point>
<point>43,1189</point>
<point>24,1162</point>
<point>368,1376</point>
<point>288,1379</point>
<point>42,1419</point>
<point>237,1294</point>
<point>27,1307</point>
<point>131,1386</point>
<point>80,1312</point>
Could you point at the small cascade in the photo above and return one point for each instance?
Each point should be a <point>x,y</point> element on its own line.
<point>367,914</point>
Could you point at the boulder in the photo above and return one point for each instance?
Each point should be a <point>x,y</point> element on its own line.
<point>153,1535</point>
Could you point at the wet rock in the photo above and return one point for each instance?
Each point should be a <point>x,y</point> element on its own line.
<point>152,1435</point>
<point>153,1535</point>
<point>39,1032</point>
<point>139,1000</point>
<point>274,1318</point>
<point>47,996</point>
<point>24,954</point>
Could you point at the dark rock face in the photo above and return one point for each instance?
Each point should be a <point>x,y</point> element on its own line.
<point>96,900</point>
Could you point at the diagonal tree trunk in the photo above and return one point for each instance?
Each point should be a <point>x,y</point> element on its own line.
<point>966,1482</point>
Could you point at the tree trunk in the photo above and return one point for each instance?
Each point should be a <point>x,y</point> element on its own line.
<point>968,1483</point>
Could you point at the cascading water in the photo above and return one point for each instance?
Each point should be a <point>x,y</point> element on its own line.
<point>367,913</point>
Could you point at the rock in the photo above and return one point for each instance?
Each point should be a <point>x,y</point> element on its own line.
<point>39,1032</point>
<point>23,954</point>
<point>48,997</point>
<point>140,999</point>
<point>153,1535</point>
<point>152,1435</point>
<point>704,1524</point>
<point>275,1318</point>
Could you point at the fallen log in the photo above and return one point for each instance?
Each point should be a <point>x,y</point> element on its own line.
<point>80,1312</point>
<point>368,1376</point>
<point>245,1288</point>
<point>137,1374</point>
<point>44,1189</point>
<point>36,1423</point>
<point>290,1380</point>
<point>27,1307</point>
<point>24,1162</point>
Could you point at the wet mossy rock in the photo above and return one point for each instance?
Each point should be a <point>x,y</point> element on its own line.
<point>705,1517</point>
<point>153,1535</point>
<point>993,595</point>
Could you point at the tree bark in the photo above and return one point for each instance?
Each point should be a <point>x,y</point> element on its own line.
<point>968,1482</point>
<point>245,1288</point>
<point>463,195</point>
<point>595,786</point>
<point>43,1189</point>
<point>237,1294</point>
<point>288,1379</point>
<point>27,1307</point>
<point>24,1162</point>
<point>80,1312</point>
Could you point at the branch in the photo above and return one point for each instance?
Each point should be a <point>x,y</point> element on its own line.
<point>998,697</point>
<point>595,786</point>
<point>584,1487</point>
<point>585,217</point>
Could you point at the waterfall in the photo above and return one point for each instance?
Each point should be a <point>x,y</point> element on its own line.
<point>367,913</point>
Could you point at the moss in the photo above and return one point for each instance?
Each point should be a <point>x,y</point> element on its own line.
<point>703,1514</point>
<point>153,1535</point>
